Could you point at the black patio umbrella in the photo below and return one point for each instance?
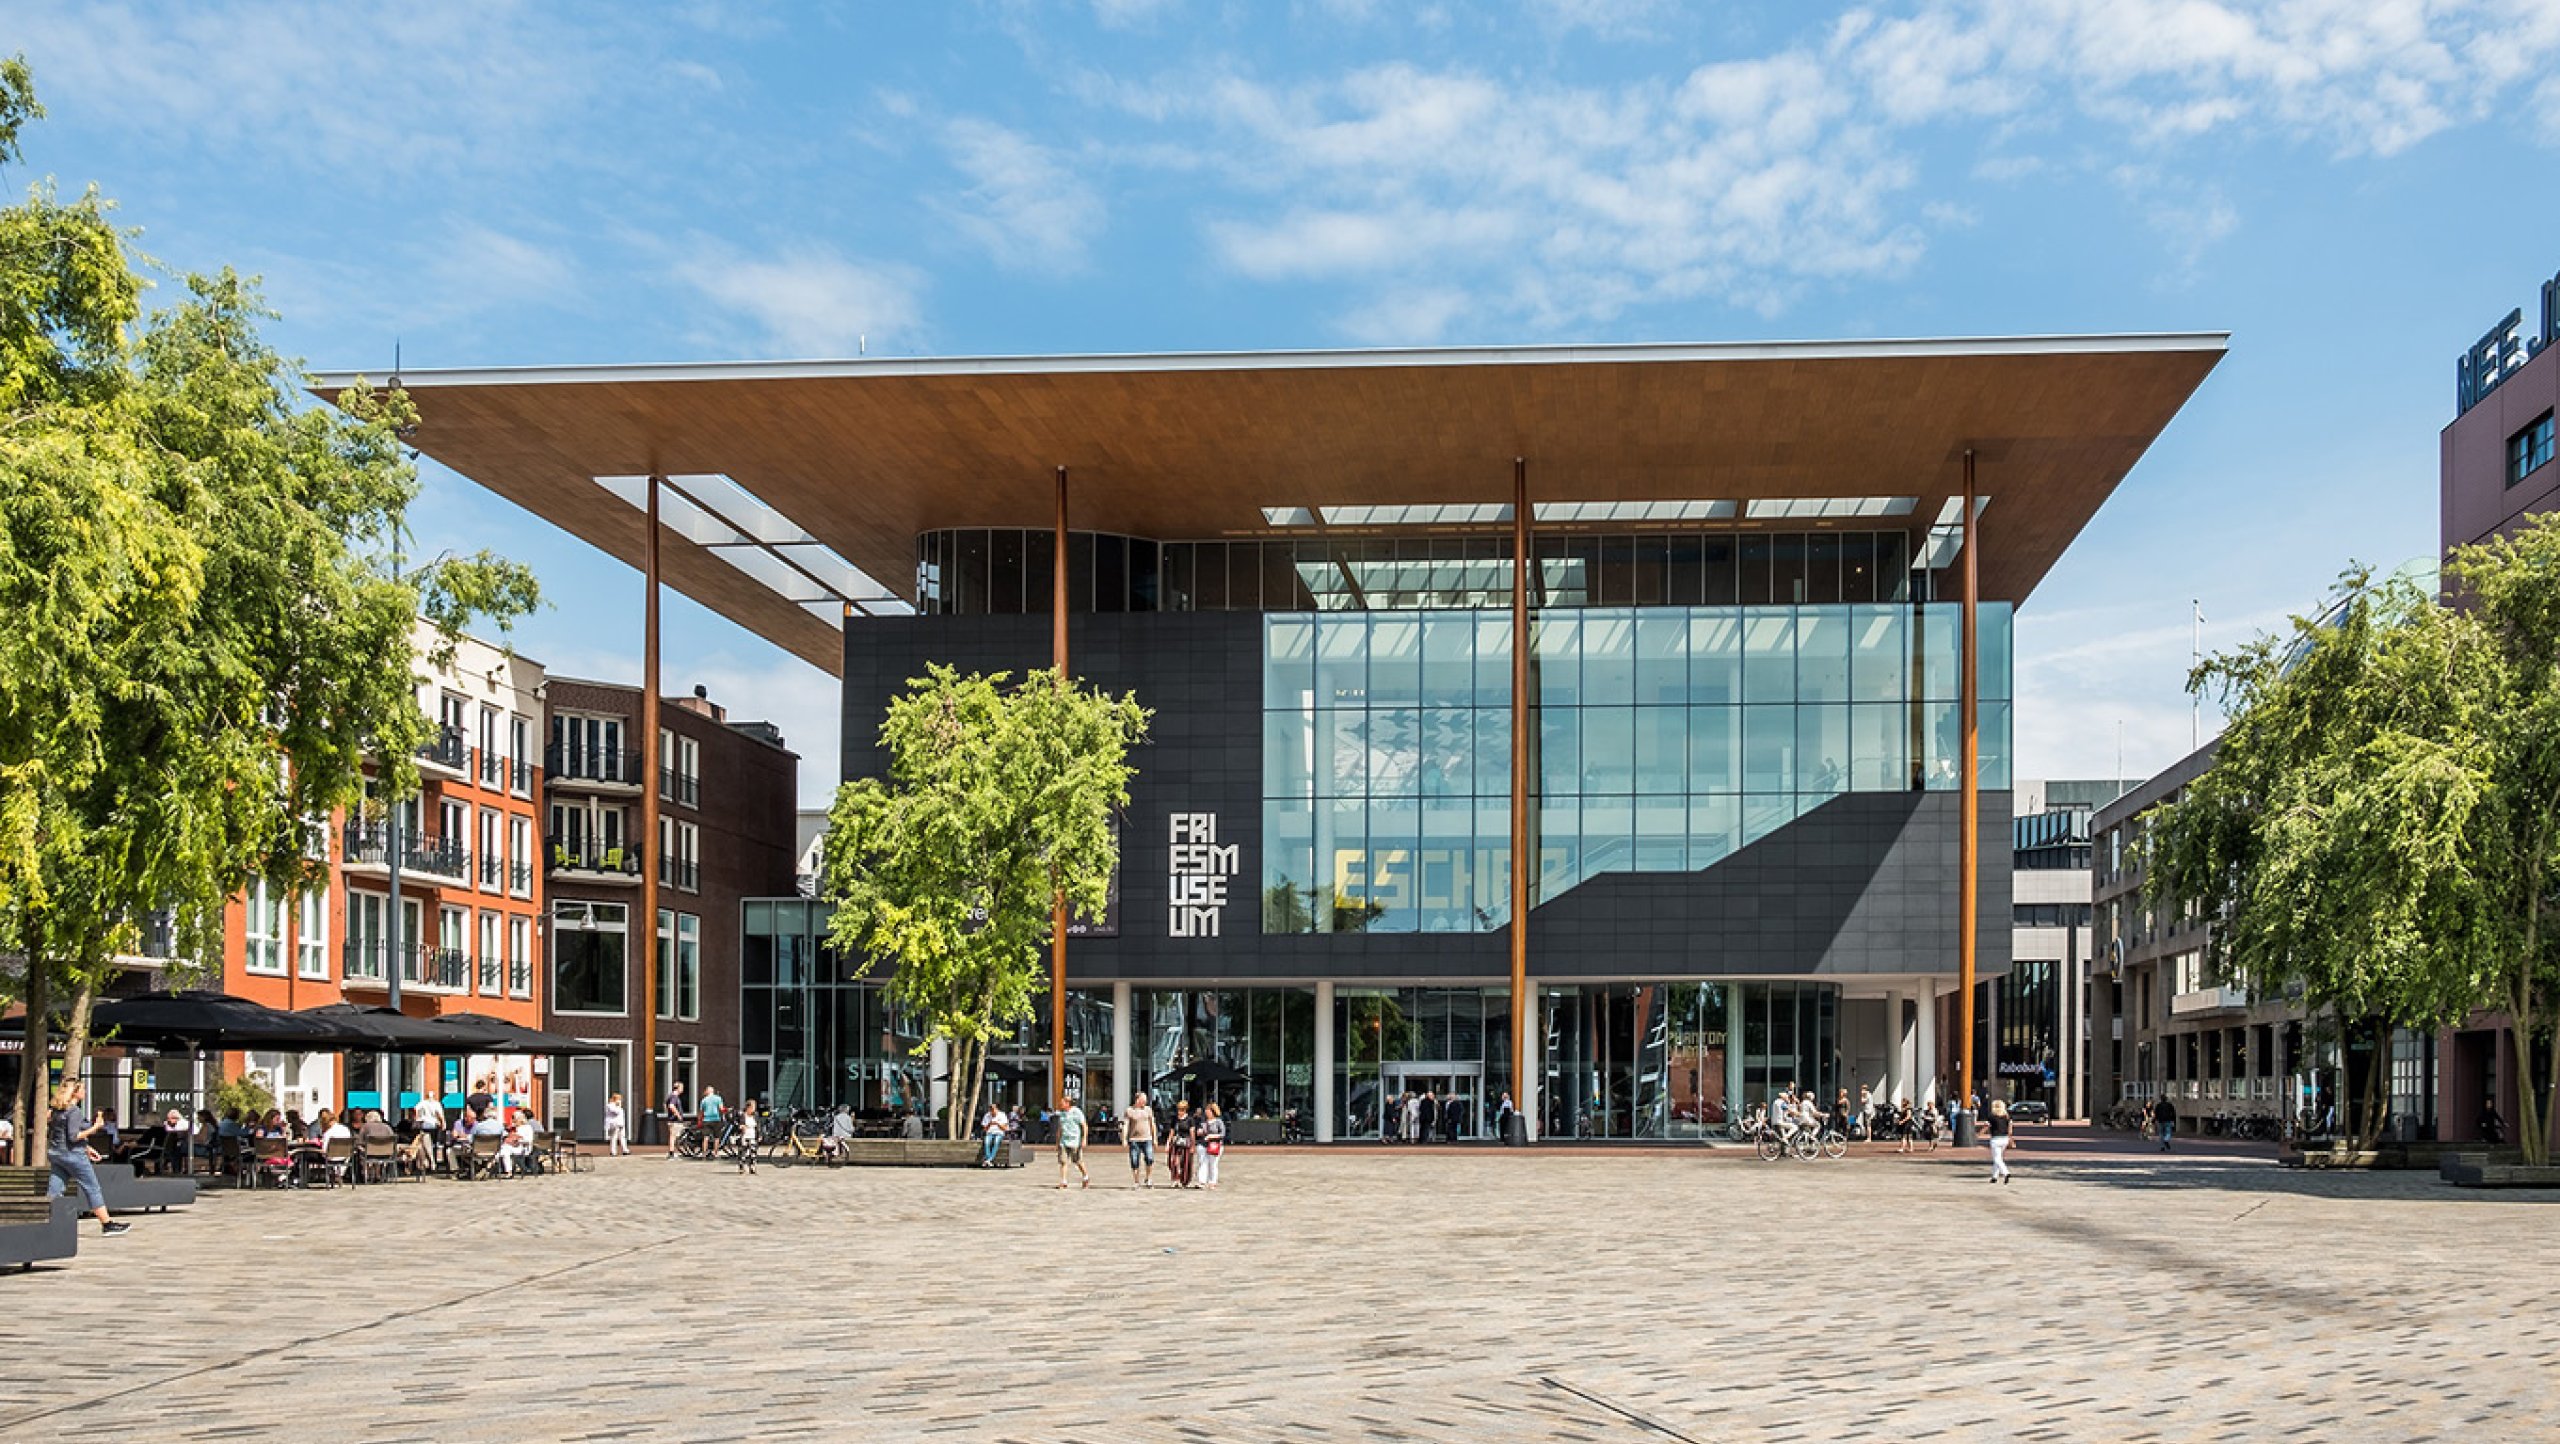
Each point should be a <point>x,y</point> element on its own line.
<point>202,1017</point>
<point>388,1030</point>
<point>1208,1072</point>
<point>481,1033</point>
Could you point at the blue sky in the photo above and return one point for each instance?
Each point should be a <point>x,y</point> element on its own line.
<point>2354,190</point>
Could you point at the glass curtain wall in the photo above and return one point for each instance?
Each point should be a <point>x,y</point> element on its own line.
<point>1667,739</point>
<point>811,1035</point>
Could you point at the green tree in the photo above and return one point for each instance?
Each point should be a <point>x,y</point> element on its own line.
<point>208,630</point>
<point>2381,824</point>
<point>998,799</point>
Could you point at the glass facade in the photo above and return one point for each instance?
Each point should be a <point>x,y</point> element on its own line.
<point>812,1036</point>
<point>998,571</point>
<point>1666,739</point>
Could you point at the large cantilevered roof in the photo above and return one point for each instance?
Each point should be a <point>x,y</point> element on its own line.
<point>797,489</point>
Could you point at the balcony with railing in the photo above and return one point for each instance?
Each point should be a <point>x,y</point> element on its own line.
<point>684,789</point>
<point>445,750</point>
<point>490,767</point>
<point>493,871</point>
<point>368,849</point>
<point>520,776</point>
<point>592,769</point>
<point>677,873</point>
<point>589,862</point>
<point>520,977</point>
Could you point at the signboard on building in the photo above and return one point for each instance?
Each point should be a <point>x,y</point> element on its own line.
<point>2503,350</point>
<point>1197,870</point>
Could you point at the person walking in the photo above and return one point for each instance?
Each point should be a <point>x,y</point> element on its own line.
<point>1213,1143</point>
<point>1071,1126</point>
<point>1138,1128</point>
<point>1502,1115</point>
<point>67,1135</point>
<point>675,1111</point>
<point>1410,1127</point>
<point>1180,1138</point>
<point>2164,1116</point>
<point>747,1130</point>
<point>1999,1127</point>
<point>1430,1117</point>
<point>617,1130</point>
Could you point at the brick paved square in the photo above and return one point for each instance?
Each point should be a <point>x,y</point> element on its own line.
<point>1356,1293</point>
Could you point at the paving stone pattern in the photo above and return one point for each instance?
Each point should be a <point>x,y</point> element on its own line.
<point>1360,1293</point>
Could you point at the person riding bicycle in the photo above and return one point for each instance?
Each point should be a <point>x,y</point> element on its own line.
<point>1782,1114</point>
<point>1809,1114</point>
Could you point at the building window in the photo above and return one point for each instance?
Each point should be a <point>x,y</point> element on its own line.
<point>679,847</point>
<point>520,957</point>
<point>520,856</point>
<point>679,965</point>
<point>311,935</point>
<point>587,956</point>
<point>2529,450</point>
<point>679,769</point>
<point>265,929</point>
<point>678,1063</point>
<point>449,964</point>
<point>493,858</point>
<point>488,953</point>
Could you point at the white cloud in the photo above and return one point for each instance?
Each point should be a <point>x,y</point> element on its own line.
<point>1414,317</point>
<point>1024,206</point>
<point>810,302</point>
<point>362,92</point>
<point>1127,14</point>
<point>485,265</point>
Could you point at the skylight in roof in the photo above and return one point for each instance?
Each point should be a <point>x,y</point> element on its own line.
<point>1793,508</point>
<point>731,523</point>
<point>1703,509</point>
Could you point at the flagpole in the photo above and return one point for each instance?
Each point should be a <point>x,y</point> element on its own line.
<point>2195,704</point>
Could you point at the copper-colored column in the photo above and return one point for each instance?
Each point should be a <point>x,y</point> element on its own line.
<point>1969,789</point>
<point>1058,900</point>
<point>1520,789</point>
<point>648,839</point>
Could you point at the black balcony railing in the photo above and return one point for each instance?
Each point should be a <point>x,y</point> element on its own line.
<point>623,860</point>
<point>682,788</point>
<point>492,768</point>
<point>678,874</point>
<point>445,749</point>
<point>592,764</point>
<point>520,977</point>
<point>520,876</point>
<point>368,844</point>
<point>520,775</point>
<point>360,961</point>
<point>493,870</point>
<point>442,968</point>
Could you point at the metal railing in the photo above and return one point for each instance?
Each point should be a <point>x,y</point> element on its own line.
<point>684,875</point>
<point>585,764</point>
<point>520,775</point>
<point>493,870</point>
<point>441,968</point>
<point>445,749</point>
<point>360,961</point>
<point>520,876</point>
<point>682,788</point>
<point>520,977</point>
<point>493,768</point>
<point>624,860</point>
<point>368,844</point>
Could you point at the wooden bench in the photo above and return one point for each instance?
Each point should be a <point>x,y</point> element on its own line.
<point>925,1153</point>
<point>34,1228</point>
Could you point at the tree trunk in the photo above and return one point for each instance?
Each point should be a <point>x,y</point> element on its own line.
<point>75,1036</point>
<point>2539,1149</point>
<point>31,1111</point>
<point>2369,1124</point>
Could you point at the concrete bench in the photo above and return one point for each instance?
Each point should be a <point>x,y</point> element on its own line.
<point>2496,1170</point>
<point>128,1192</point>
<point>34,1228</point>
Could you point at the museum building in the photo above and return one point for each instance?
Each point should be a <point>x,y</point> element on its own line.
<point>1634,683</point>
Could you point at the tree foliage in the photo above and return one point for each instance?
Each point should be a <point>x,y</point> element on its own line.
<point>998,799</point>
<point>2381,823</point>
<point>208,630</point>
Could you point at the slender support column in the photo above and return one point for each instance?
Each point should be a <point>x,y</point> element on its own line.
<point>1324,1062</point>
<point>1969,789</point>
<point>1526,1098</point>
<point>1522,1069</point>
<point>937,1067</point>
<point>1897,1051</point>
<point>647,923</point>
<point>1122,1085</point>
<point>1058,900</point>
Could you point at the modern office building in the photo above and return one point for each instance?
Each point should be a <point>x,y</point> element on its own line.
<point>725,794</point>
<point>2040,1013</point>
<point>1613,699</point>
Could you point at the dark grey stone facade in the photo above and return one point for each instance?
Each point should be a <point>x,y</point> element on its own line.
<point>1863,885</point>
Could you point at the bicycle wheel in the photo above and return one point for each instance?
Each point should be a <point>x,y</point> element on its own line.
<point>1835,1144</point>
<point>1801,1145</point>
<point>1770,1148</point>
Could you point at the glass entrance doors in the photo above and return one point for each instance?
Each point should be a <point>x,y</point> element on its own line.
<point>1437,1102</point>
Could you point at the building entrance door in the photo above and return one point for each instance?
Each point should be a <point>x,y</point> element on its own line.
<point>1458,1089</point>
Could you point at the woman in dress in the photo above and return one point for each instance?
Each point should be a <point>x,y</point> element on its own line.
<point>1179,1139</point>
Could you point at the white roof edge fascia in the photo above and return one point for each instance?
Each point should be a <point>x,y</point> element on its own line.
<point>1318,360</point>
